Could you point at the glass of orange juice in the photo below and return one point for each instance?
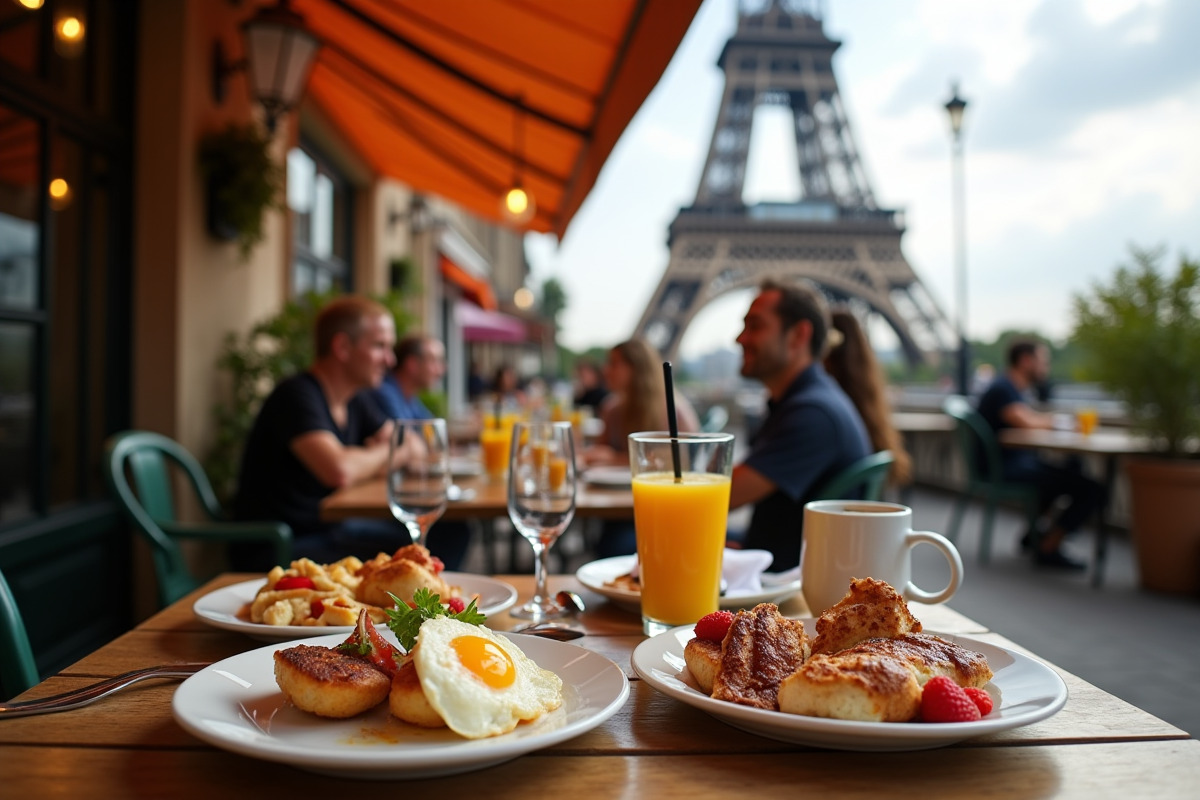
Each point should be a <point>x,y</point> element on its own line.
<point>679,515</point>
<point>1088,419</point>
<point>495,442</point>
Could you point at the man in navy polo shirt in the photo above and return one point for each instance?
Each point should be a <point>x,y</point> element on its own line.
<point>812,430</point>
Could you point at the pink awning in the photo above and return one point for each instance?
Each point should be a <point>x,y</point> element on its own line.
<point>481,325</point>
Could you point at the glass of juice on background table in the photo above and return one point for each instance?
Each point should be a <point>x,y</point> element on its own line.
<point>1088,418</point>
<point>495,442</point>
<point>680,523</point>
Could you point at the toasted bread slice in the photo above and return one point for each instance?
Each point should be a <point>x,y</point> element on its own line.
<point>927,656</point>
<point>761,648</point>
<point>329,683</point>
<point>703,657</point>
<point>871,609</point>
<point>855,686</point>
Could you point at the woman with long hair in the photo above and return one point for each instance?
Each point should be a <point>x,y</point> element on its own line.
<point>853,365</point>
<point>637,401</point>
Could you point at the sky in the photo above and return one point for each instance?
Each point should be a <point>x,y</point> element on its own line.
<point>1081,138</point>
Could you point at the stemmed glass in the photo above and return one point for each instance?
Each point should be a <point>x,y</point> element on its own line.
<point>418,474</point>
<point>541,500</point>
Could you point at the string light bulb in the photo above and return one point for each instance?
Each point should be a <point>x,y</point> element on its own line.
<point>69,32</point>
<point>60,194</point>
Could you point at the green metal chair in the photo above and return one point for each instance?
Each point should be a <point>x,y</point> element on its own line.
<point>867,475</point>
<point>146,496</point>
<point>984,474</point>
<point>18,671</point>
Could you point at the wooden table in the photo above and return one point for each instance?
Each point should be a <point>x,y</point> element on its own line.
<point>485,499</point>
<point>1110,444</point>
<point>129,745</point>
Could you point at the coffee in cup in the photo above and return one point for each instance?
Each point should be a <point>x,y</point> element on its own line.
<point>847,539</point>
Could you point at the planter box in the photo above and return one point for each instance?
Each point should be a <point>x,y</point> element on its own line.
<point>1165,498</point>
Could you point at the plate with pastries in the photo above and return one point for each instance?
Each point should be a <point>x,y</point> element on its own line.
<point>862,676</point>
<point>434,693</point>
<point>307,598</point>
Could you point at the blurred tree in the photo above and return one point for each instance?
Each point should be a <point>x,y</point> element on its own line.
<point>554,299</point>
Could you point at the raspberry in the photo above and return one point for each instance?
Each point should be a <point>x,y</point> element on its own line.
<point>456,605</point>
<point>943,700</point>
<point>714,626</point>
<point>982,700</point>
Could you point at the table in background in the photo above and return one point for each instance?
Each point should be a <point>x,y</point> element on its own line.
<point>129,745</point>
<point>1110,444</point>
<point>485,501</point>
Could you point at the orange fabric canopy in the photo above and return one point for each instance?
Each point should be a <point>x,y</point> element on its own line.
<point>474,287</point>
<point>448,96</point>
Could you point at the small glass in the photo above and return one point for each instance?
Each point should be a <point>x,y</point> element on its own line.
<point>418,474</point>
<point>541,500</point>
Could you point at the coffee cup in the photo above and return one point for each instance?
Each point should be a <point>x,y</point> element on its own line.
<point>846,539</point>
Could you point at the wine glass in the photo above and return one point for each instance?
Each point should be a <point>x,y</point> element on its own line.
<point>541,500</point>
<point>418,474</point>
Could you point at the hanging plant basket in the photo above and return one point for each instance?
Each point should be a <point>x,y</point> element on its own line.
<point>242,182</point>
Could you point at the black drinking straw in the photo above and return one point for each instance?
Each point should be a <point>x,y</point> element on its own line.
<point>672,423</point>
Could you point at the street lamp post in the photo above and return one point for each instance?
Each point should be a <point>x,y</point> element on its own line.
<point>955,107</point>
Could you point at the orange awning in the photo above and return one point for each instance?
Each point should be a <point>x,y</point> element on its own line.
<point>427,91</point>
<point>479,290</point>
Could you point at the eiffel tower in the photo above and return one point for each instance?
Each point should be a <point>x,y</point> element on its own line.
<point>835,236</point>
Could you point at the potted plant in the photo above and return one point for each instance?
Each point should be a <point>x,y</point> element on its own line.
<point>242,181</point>
<point>1140,335</point>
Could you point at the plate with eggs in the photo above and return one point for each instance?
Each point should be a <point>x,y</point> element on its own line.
<point>238,705</point>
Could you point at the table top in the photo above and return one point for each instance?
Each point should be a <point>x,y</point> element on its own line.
<point>922,421</point>
<point>1102,441</point>
<point>129,745</point>
<point>483,498</point>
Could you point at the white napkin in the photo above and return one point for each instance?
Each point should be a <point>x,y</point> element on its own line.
<point>741,569</point>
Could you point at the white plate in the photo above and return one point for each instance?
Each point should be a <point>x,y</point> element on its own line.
<point>220,608</point>
<point>236,705</point>
<point>610,477</point>
<point>1023,690</point>
<point>465,466</point>
<point>595,574</point>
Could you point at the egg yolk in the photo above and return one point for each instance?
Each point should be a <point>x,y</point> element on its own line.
<point>486,660</point>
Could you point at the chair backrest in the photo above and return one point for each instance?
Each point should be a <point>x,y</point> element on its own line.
<point>714,420</point>
<point>865,476</point>
<point>18,671</point>
<point>976,440</point>
<point>146,496</point>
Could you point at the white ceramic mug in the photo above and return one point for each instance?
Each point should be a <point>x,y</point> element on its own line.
<point>845,539</point>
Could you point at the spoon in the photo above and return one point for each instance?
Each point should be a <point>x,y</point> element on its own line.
<point>549,630</point>
<point>572,602</point>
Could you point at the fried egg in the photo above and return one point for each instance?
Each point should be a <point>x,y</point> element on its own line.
<point>480,683</point>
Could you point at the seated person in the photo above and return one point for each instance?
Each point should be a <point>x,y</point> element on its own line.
<point>637,401</point>
<point>1003,405</point>
<point>420,365</point>
<point>812,430</point>
<point>852,363</point>
<point>317,432</point>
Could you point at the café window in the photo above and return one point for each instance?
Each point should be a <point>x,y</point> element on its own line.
<point>320,201</point>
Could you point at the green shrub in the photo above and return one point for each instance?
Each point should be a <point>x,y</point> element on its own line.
<point>1140,337</point>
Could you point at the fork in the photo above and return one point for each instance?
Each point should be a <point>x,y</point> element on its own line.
<point>89,694</point>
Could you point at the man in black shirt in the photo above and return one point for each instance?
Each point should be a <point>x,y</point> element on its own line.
<point>1003,405</point>
<point>317,432</point>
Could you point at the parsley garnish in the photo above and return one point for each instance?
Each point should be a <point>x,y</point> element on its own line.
<point>405,621</point>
